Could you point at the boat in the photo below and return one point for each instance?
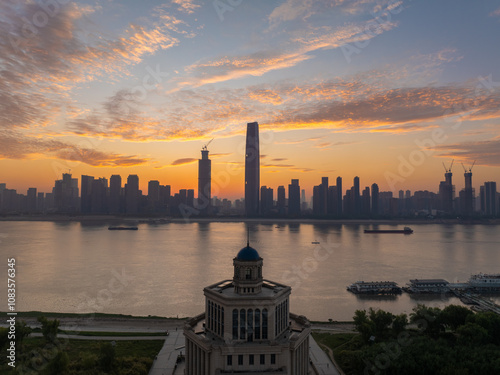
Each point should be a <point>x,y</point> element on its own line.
<point>427,286</point>
<point>405,230</point>
<point>374,287</point>
<point>485,282</point>
<point>123,228</point>
<point>315,242</point>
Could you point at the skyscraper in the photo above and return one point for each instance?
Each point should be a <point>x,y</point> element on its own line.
<point>375,200</point>
<point>468,195</point>
<point>204,182</point>
<point>132,194</point>
<point>252,170</point>
<point>294,198</point>
<point>115,194</point>
<point>339,196</point>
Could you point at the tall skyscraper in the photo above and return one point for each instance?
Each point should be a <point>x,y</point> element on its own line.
<point>490,198</point>
<point>294,198</point>
<point>132,194</point>
<point>375,201</point>
<point>204,182</point>
<point>86,193</point>
<point>339,196</point>
<point>252,170</point>
<point>115,194</point>
<point>281,200</point>
<point>468,195</point>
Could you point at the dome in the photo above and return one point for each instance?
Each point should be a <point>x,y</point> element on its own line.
<point>248,253</point>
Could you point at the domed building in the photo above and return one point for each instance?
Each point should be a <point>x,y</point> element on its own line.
<point>247,327</point>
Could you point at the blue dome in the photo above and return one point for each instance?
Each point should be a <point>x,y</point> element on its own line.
<point>248,253</point>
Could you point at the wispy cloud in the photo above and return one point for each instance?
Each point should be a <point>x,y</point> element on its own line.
<point>187,6</point>
<point>486,152</point>
<point>184,161</point>
<point>495,13</point>
<point>16,145</point>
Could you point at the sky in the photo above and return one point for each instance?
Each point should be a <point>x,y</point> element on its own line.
<point>381,89</point>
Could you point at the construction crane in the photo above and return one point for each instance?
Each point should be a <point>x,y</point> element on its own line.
<point>470,169</point>
<point>451,165</point>
<point>204,148</point>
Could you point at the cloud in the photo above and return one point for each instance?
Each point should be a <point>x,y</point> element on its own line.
<point>42,64</point>
<point>184,161</point>
<point>279,159</point>
<point>485,153</point>
<point>495,13</point>
<point>15,145</point>
<point>186,6</point>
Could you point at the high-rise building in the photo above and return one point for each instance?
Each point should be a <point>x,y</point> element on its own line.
<point>266,200</point>
<point>281,200</point>
<point>247,326</point>
<point>99,199</point>
<point>66,194</point>
<point>490,198</point>
<point>132,195</point>
<point>365,202</point>
<point>375,201</point>
<point>468,194</point>
<point>339,196</point>
<point>86,193</point>
<point>204,182</point>
<point>115,194</point>
<point>294,198</point>
<point>252,170</point>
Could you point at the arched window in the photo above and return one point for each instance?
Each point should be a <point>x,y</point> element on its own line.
<point>242,324</point>
<point>248,273</point>
<point>250,325</point>
<point>235,324</point>
<point>257,325</point>
<point>264,324</point>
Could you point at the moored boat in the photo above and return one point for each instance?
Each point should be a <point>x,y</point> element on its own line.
<point>374,287</point>
<point>405,230</point>
<point>123,228</point>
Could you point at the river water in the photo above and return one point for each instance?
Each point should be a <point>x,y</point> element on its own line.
<point>161,269</point>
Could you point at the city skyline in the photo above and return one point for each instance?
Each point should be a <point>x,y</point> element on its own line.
<point>344,88</point>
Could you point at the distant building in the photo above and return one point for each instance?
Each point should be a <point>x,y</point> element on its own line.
<point>247,327</point>
<point>86,194</point>
<point>281,200</point>
<point>204,183</point>
<point>489,201</point>
<point>340,209</point>
<point>294,198</point>
<point>252,170</point>
<point>132,195</point>
<point>375,201</point>
<point>266,200</point>
<point>115,195</point>
<point>66,194</point>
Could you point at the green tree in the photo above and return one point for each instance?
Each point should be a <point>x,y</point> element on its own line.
<point>427,319</point>
<point>59,365</point>
<point>49,328</point>
<point>381,321</point>
<point>472,334</point>
<point>454,316</point>
<point>399,323</point>
<point>363,325</point>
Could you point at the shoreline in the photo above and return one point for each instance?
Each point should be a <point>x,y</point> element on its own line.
<point>103,219</point>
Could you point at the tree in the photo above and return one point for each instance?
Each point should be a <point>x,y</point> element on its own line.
<point>454,316</point>
<point>49,328</point>
<point>399,323</point>
<point>59,365</point>
<point>363,325</point>
<point>427,319</point>
<point>22,331</point>
<point>381,320</point>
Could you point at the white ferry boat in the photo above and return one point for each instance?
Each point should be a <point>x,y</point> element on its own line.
<point>374,287</point>
<point>485,282</point>
<point>427,286</point>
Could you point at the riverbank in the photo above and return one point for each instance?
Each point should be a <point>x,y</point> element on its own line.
<point>106,219</point>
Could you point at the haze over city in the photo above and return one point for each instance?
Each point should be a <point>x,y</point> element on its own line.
<point>339,88</point>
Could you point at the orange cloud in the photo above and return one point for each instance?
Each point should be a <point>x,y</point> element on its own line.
<point>184,161</point>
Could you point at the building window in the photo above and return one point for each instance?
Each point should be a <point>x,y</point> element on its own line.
<point>242,324</point>
<point>264,324</point>
<point>250,325</point>
<point>262,359</point>
<point>257,324</point>
<point>250,359</point>
<point>222,322</point>
<point>248,273</point>
<point>240,359</point>
<point>229,360</point>
<point>273,359</point>
<point>235,324</point>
